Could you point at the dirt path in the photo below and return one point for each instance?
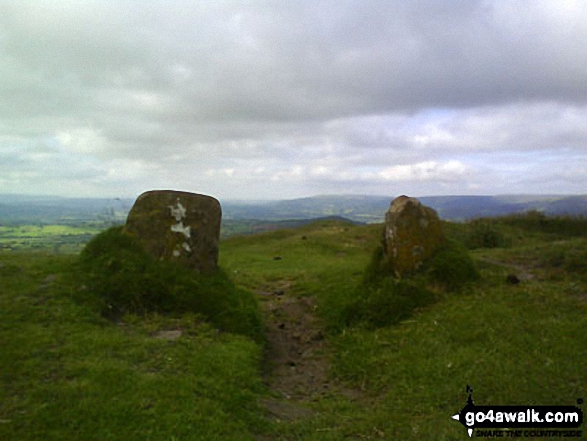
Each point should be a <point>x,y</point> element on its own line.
<point>296,360</point>
<point>522,271</point>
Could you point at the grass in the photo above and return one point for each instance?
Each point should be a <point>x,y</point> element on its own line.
<point>382,299</point>
<point>515,344</point>
<point>552,226</point>
<point>310,255</point>
<point>67,373</point>
<point>118,277</point>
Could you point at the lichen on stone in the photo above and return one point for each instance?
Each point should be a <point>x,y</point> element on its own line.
<point>413,234</point>
<point>180,228</point>
<point>178,212</point>
<point>167,223</point>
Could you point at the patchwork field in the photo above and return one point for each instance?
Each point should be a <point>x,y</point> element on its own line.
<point>53,238</point>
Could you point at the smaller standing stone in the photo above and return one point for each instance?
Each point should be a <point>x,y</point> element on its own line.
<point>413,233</point>
<point>178,226</point>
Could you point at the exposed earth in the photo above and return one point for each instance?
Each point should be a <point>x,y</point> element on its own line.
<point>297,361</point>
<point>296,368</point>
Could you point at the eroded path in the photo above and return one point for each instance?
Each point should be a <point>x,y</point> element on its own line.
<point>297,358</point>
<point>524,272</point>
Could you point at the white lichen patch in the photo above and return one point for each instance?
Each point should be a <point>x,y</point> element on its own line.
<point>187,247</point>
<point>388,233</point>
<point>180,228</point>
<point>176,253</point>
<point>178,212</point>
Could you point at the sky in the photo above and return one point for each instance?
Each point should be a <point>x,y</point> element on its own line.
<point>253,100</point>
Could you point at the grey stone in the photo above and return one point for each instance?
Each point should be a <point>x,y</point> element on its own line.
<point>178,226</point>
<point>413,233</point>
<point>168,335</point>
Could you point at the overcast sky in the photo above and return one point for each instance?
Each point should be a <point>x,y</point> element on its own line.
<point>284,99</point>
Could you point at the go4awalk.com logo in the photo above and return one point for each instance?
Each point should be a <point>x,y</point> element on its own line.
<point>520,421</point>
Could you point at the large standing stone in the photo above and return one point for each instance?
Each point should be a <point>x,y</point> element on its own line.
<point>413,233</point>
<point>178,226</point>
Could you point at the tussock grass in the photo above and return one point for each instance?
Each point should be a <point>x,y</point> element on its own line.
<point>120,277</point>
<point>535,221</point>
<point>486,233</point>
<point>452,268</point>
<point>382,299</point>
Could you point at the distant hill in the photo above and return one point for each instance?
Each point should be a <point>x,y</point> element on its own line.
<point>357,208</point>
<point>365,209</point>
<point>231,227</point>
<point>469,207</point>
<point>21,209</point>
<point>373,208</point>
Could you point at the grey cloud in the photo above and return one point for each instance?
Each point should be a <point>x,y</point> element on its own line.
<point>291,60</point>
<point>180,88</point>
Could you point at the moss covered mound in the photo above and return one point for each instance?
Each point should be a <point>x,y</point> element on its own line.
<point>120,277</point>
<point>382,298</point>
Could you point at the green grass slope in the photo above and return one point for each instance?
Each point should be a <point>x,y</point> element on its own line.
<point>68,374</point>
<point>515,344</point>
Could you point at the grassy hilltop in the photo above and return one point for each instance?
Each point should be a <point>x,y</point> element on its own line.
<point>68,373</point>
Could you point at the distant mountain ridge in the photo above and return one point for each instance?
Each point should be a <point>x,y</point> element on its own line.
<point>373,208</point>
<point>43,209</point>
<point>22,209</point>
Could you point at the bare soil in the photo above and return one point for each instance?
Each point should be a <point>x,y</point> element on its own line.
<point>296,367</point>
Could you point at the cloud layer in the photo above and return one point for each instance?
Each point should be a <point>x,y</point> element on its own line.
<point>260,99</point>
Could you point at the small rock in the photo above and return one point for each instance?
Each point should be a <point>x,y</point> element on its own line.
<point>286,411</point>
<point>50,278</point>
<point>168,335</point>
<point>318,336</point>
<point>47,281</point>
<point>307,353</point>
